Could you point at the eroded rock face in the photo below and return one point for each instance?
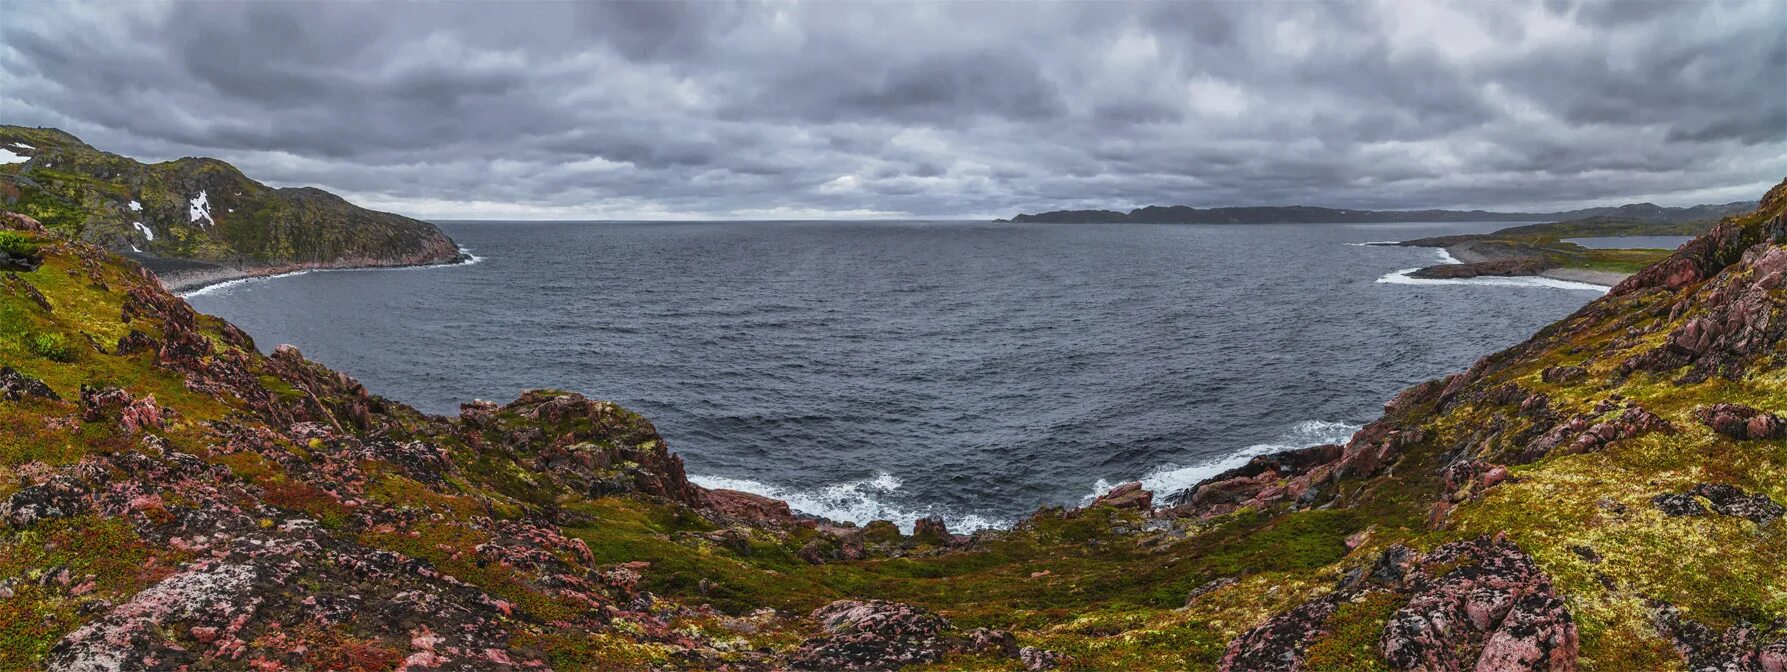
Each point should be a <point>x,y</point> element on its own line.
<point>1731,318</point>
<point>1496,612</point>
<point>1477,605</point>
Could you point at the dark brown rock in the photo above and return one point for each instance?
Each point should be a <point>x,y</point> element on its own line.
<point>15,386</point>
<point>1723,499</point>
<point>1126,496</point>
<point>743,506</point>
<point>1741,422</point>
<point>59,497</point>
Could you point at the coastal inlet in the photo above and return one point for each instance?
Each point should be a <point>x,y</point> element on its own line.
<point>901,369</point>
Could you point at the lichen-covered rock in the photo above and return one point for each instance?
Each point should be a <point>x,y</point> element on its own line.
<point>872,635</point>
<point>59,497</point>
<point>1739,648</point>
<point>15,386</point>
<point>1721,498</point>
<point>1040,659</point>
<point>1495,612</point>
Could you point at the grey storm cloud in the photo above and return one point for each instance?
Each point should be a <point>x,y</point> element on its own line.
<point>762,110</point>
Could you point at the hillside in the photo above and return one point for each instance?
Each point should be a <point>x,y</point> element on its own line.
<point>1303,214</point>
<point>1604,496</point>
<point>200,220</point>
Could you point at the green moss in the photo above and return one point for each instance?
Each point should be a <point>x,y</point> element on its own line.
<point>51,346</point>
<point>1352,642</point>
<point>18,244</point>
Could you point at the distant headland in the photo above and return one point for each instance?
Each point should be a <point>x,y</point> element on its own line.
<point>1304,214</point>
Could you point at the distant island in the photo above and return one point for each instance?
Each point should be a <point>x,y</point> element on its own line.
<point>1304,214</point>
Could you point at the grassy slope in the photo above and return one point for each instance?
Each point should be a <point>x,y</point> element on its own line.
<point>1104,586</point>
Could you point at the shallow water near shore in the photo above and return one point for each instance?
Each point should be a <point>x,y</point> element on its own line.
<point>867,370</point>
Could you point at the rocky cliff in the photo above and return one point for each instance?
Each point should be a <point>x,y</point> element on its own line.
<point>200,219</point>
<point>1605,496</point>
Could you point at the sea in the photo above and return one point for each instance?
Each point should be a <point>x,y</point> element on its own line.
<point>899,369</point>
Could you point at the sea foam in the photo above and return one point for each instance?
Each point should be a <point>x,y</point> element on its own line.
<point>1171,478</point>
<point>859,501</point>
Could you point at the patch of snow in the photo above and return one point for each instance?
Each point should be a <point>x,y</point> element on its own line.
<point>21,145</point>
<point>136,207</point>
<point>7,156</point>
<point>136,249</point>
<point>146,232</point>
<point>199,208</point>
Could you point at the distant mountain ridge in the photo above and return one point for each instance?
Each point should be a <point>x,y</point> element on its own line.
<point>200,220</point>
<point>1305,214</point>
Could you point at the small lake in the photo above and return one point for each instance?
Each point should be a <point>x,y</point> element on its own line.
<point>1631,242</point>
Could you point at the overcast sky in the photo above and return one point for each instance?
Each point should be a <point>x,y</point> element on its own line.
<point>657,110</point>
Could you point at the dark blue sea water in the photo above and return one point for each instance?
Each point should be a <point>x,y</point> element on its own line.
<point>897,369</point>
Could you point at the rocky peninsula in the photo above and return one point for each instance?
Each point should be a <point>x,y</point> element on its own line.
<point>1604,496</point>
<point>198,221</point>
<point>1541,250</point>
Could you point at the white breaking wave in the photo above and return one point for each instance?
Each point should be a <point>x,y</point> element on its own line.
<point>223,287</point>
<point>1171,478</point>
<point>1402,278</point>
<point>859,501</point>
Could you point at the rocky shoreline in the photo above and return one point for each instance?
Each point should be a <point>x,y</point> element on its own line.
<point>183,277</point>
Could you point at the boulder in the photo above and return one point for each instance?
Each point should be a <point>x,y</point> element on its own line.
<point>1720,498</point>
<point>1741,422</point>
<point>1126,496</point>
<point>739,505</point>
<point>59,497</point>
<point>931,530</point>
<point>15,386</point>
